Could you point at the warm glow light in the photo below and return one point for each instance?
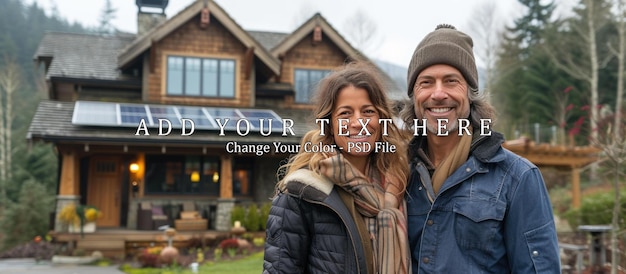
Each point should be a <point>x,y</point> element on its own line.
<point>195,177</point>
<point>134,167</point>
<point>216,177</point>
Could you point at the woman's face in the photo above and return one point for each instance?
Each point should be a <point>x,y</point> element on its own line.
<point>354,122</point>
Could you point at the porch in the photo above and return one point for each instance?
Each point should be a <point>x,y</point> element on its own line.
<point>127,243</point>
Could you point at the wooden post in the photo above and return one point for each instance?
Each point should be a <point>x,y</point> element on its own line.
<point>69,184</point>
<point>576,199</point>
<point>226,177</point>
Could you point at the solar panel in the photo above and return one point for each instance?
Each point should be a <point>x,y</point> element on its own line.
<point>109,114</point>
<point>165,112</point>
<point>132,115</point>
<point>94,114</point>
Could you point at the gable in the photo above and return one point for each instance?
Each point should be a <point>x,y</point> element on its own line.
<point>328,34</point>
<point>145,42</point>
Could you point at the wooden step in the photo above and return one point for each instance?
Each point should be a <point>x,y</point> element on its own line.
<point>108,247</point>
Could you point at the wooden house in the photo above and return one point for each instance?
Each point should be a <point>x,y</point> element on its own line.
<point>178,115</point>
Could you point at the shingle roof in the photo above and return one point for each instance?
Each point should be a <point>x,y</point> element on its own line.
<point>53,123</point>
<point>268,39</point>
<point>84,56</point>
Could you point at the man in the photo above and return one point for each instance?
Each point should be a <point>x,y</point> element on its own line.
<point>473,206</point>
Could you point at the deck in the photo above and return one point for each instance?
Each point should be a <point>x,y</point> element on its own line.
<point>125,243</point>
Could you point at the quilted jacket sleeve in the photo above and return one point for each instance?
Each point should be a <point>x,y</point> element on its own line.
<point>287,237</point>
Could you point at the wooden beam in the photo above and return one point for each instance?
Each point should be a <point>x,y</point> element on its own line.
<point>248,60</point>
<point>153,45</point>
<point>557,160</point>
<point>576,197</point>
<point>69,184</point>
<point>226,177</point>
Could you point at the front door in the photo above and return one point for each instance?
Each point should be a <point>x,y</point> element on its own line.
<point>104,188</point>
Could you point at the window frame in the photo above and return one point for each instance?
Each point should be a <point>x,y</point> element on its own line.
<point>226,72</point>
<point>311,83</point>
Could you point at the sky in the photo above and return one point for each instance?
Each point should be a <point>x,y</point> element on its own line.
<point>400,24</point>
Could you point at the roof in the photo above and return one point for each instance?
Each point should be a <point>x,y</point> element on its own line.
<point>85,56</point>
<point>289,41</point>
<point>99,57</point>
<point>53,123</point>
<point>268,39</point>
<point>301,32</point>
<point>144,42</point>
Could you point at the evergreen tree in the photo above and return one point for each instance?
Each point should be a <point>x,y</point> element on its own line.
<point>577,46</point>
<point>27,218</point>
<point>517,84</point>
<point>106,16</point>
<point>30,192</point>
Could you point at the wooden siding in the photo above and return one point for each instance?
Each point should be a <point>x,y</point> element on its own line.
<point>64,92</point>
<point>308,55</point>
<point>215,41</point>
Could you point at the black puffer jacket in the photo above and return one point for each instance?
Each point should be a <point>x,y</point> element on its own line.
<point>310,230</point>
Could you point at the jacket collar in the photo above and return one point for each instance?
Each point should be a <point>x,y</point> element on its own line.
<point>307,184</point>
<point>484,148</point>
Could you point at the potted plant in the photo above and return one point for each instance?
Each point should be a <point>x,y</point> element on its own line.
<point>80,217</point>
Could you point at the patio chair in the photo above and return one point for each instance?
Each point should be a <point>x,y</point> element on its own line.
<point>150,216</point>
<point>190,218</point>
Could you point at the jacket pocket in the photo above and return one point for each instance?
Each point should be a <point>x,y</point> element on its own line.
<point>543,249</point>
<point>478,223</point>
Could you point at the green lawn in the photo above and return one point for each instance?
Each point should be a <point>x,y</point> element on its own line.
<point>250,264</point>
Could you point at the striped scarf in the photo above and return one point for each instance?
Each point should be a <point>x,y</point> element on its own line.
<point>383,213</point>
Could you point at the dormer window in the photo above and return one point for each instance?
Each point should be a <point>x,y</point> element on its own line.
<point>205,77</point>
<point>305,81</point>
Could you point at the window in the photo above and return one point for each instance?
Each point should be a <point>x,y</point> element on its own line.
<point>305,81</point>
<point>193,76</point>
<point>178,174</point>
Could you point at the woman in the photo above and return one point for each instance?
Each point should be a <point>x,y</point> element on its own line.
<point>343,211</point>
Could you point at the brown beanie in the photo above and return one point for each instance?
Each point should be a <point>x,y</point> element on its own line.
<point>445,45</point>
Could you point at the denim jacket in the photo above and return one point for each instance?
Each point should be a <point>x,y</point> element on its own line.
<point>492,215</point>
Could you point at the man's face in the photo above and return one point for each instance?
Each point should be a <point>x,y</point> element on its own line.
<point>440,92</point>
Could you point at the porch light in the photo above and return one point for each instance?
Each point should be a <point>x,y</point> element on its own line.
<point>195,176</point>
<point>134,167</point>
<point>216,177</point>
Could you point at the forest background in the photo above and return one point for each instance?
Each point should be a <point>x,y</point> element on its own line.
<point>557,80</point>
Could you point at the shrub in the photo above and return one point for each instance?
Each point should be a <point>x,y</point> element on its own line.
<point>238,214</point>
<point>229,243</point>
<point>217,253</point>
<point>23,220</point>
<point>265,213</point>
<point>258,242</point>
<point>252,221</point>
<point>150,257</point>
<point>39,250</point>
<point>596,209</point>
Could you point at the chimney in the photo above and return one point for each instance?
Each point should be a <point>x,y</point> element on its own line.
<point>150,13</point>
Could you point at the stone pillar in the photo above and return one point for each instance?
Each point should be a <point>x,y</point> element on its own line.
<point>131,220</point>
<point>224,209</point>
<point>62,201</point>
